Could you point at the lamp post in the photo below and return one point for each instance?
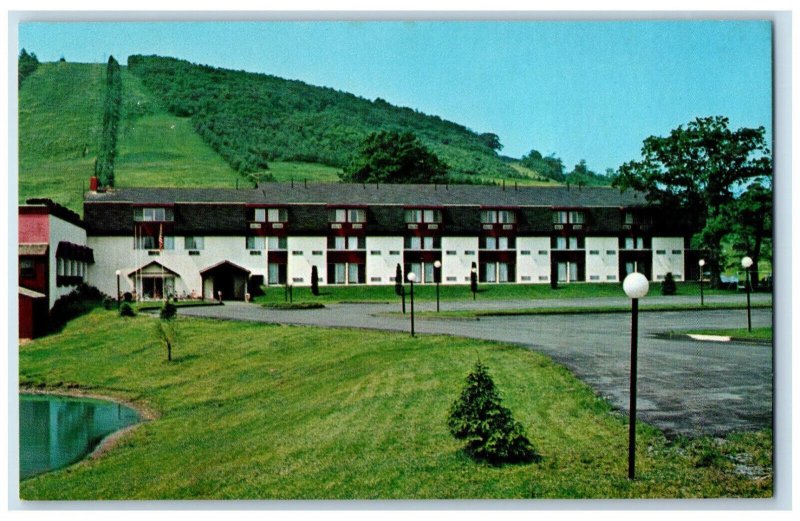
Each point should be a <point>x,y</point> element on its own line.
<point>701,264</point>
<point>118,293</point>
<point>437,277</point>
<point>746,263</point>
<point>412,277</point>
<point>636,287</point>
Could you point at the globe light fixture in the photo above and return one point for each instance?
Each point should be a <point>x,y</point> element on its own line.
<point>747,262</point>
<point>701,263</point>
<point>635,286</point>
<point>412,277</point>
<point>437,277</point>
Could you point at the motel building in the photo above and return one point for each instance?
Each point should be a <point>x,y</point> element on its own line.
<point>201,243</point>
<point>53,259</point>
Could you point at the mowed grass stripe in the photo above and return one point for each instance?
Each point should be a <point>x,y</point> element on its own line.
<point>255,411</point>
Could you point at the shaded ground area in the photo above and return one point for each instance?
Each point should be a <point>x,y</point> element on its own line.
<point>685,386</point>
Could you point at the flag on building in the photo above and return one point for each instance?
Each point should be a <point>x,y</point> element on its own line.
<point>160,236</point>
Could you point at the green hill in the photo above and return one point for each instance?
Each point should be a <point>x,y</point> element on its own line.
<point>60,121</point>
<point>166,140</point>
<point>255,119</point>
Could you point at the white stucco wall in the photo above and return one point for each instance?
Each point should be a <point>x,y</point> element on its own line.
<point>459,264</point>
<point>669,261</point>
<point>533,267</point>
<point>117,253</point>
<point>301,257</point>
<point>602,266</point>
<point>61,230</point>
<point>382,260</point>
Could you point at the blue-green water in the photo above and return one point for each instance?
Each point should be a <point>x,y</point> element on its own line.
<point>56,431</point>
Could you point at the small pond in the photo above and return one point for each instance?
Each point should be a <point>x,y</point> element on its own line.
<point>56,431</point>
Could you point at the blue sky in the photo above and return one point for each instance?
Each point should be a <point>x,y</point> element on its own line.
<point>579,90</point>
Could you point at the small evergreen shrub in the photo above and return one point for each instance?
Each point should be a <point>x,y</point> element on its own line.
<point>314,281</point>
<point>398,281</point>
<point>126,310</point>
<point>168,311</point>
<point>668,285</point>
<point>109,303</point>
<point>489,429</point>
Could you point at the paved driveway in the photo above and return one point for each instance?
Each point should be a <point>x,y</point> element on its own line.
<point>685,386</point>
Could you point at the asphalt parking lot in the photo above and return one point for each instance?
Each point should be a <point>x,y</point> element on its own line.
<point>685,386</point>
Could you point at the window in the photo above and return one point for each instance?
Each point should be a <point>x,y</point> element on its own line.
<point>611,252</point>
<point>260,215</point>
<point>676,252</point>
<point>59,266</point>
<point>661,252</point>
<point>352,215</point>
<point>576,217</point>
<point>567,272</point>
<point>567,243</point>
<point>571,216</point>
<point>357,216</point>
<point>413,216</point>
<point>276,243</point>
<point>451,252</point>
<point>433,216</point>
<point>346,243</point>
<point>256,243</point>
<point>193,243</point>
<point>636,218</point>
<point>488,217</point>
<point>27,269</point>
<point>506,217</point>
<point>152,214</point>
<point>594,252</point>
<point>276,273</point>
<point>277,215</point>
<point>498,216</point>
<point>634,243</point>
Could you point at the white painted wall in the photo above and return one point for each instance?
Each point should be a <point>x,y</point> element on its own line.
<point>604,266</point>
<point>117,253</point>
<point>383,266</point>
<point>533,268</point>
<point>61,230</point>
<point>460,264</point>
<point>668,261</point>
<point>300,259</point>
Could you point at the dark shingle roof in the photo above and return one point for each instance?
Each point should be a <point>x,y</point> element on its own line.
<point>371,194</point>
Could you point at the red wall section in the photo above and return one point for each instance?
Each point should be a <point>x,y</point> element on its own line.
<point>34,227</point>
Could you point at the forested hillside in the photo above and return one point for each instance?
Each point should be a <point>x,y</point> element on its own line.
<point>254,119</point>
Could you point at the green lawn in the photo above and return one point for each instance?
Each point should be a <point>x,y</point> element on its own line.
<point>758,333</point>
<point>251,410</point>
<point>573,310</point>
<point>450,292</point>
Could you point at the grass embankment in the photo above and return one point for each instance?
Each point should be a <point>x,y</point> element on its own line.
<point>449,292</point>
<point>262,411</point>
<point>146,306</point>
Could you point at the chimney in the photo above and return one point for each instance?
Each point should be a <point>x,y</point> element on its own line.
<point>93,183</point>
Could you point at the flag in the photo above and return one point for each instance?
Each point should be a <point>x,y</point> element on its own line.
<point>160,237</point>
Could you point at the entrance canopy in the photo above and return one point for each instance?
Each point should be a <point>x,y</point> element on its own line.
<point>225,267</point>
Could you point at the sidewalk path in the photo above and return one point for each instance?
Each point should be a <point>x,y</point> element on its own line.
<point>685,386</point>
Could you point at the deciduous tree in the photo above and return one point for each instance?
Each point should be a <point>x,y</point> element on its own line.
<point>392,157</point>
<point>698,170</point>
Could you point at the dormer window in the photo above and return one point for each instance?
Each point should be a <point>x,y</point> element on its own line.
<point>568,217</point>
<point>423,216</point>
<point>498,217</point>
<point>152,214</point>
<point>272,215</point>
<point>348,215</point>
